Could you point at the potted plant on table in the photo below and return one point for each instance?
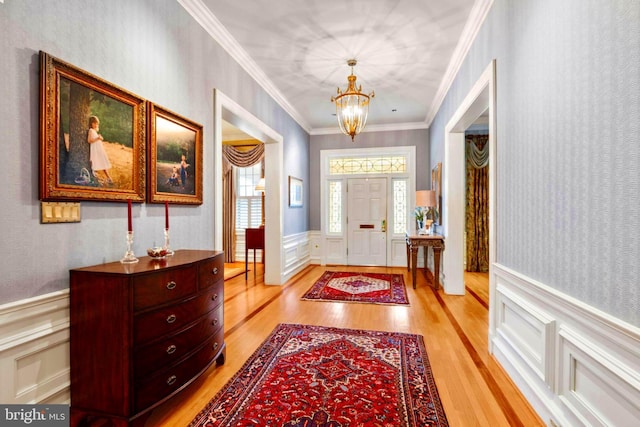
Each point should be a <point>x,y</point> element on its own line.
<point>419,214</point>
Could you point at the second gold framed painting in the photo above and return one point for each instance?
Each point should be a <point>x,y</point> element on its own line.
<point>175,158</point>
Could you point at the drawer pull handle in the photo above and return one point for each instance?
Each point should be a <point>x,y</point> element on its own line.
<point>171,349</point>
<point>214,297</point>
<point>172,379</point>
<point>214,322</point>
<point>215,270</point>
<point>215,345</point>
<point>172,318</point>
<point>171,285</point>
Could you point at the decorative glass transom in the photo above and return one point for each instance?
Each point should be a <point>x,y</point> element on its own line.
<point>368,165</point>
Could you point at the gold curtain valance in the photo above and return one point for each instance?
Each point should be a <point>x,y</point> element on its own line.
<point>477,150</point>
<point>242,159</point>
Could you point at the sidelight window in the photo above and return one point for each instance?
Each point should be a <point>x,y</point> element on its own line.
<point>400,199</point>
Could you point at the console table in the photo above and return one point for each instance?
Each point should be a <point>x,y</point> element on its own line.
<point>142,332</point>
<point>254,239</point>
<point>414,241</point>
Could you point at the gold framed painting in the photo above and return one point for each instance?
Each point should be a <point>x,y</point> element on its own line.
<point>436,185</point>
<point>175,158</point>
<point>92,136</point>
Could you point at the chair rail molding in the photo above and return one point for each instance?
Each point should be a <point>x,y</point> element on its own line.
<point>297,253</point>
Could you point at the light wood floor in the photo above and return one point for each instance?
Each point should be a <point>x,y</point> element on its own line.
<point>474,389</point>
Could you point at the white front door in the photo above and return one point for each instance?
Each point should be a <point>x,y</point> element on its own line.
<point>367,219</point>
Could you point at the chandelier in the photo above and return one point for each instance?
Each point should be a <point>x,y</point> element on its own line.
<point>352,106</point>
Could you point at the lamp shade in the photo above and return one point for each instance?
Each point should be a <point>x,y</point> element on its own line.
<point>426,198</point>
<point>260,186</point>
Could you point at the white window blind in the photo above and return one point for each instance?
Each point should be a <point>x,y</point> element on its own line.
<point>248,200</point>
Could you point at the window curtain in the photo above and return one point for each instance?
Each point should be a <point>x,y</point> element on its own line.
<point>243,159</point>
<point>477,216</point>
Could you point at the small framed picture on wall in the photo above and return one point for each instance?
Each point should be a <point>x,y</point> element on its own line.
<point>295,192</point>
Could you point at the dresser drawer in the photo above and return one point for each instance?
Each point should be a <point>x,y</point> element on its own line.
<point>154,289</point>
<point>166,382</point>
<point>211,271</point>
<point>170,319</point>
<point>155,356</point>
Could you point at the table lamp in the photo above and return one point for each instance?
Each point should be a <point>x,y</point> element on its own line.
<point>425,200</point>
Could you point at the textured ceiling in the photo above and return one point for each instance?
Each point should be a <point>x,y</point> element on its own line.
<point>403,49</point>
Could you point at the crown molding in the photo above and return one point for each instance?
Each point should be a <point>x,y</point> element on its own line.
<point>203,15</point>
<point>472,27</point>
<point>374,128</point>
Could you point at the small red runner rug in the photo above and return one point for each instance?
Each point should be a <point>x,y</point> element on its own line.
<point>312,376</point>
<point>375,288</point>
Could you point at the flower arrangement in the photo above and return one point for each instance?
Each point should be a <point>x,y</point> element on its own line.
<point>430,213</point>
<point>425,217</point>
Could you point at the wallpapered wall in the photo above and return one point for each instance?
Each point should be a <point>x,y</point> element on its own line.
<point>568,109</point>
<point>154,49</point>
<point>418,138</point>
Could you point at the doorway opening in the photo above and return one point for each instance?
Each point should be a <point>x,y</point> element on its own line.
<point>480,99</point>
<point>231,112</point>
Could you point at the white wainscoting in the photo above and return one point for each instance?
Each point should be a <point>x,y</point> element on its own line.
<point>34,350</point>
<point>315,247</point>
<point>296,254</point>
<point>576,365</point>
<point>398,251</point>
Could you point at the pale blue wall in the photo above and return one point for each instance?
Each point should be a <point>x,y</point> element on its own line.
<point>568,132</point>
<point>418,138</point>
<point>152,48</point>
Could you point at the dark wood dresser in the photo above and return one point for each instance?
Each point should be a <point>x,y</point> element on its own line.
<point>142,332</point>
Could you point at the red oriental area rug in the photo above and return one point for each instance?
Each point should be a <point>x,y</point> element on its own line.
<point>312,376</point>
<point>375,288</point>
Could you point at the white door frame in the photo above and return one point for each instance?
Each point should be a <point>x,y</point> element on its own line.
<point>481,96</point>
<point>333,247</point>
<point>227,109</point>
